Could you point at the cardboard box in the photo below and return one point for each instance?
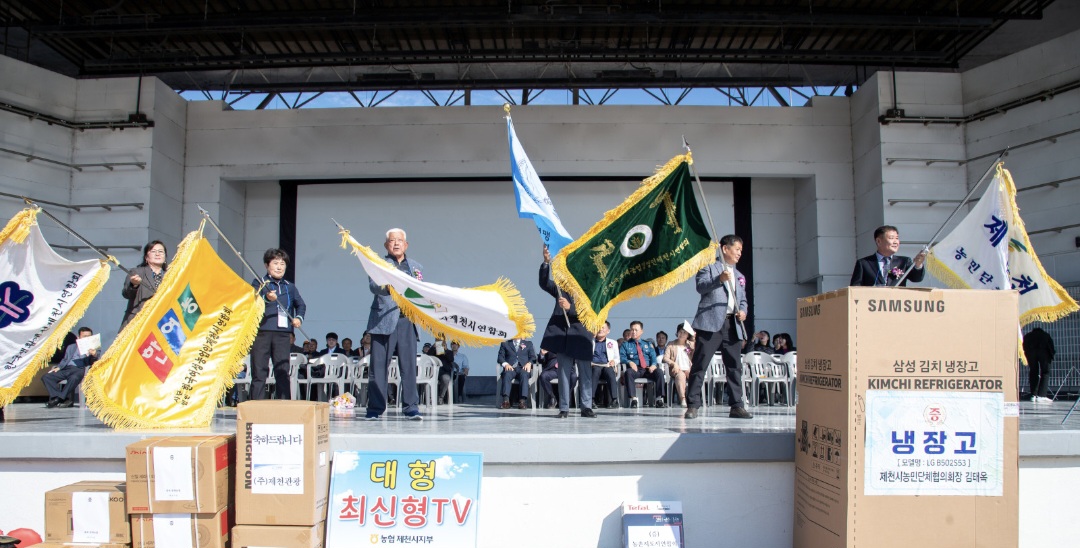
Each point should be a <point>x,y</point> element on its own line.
<point>196,474</point>
<point>181,530</point>
<point>284,474</point>
<point>87,512</point>
<point>906,430</point>
<point>279,536</point>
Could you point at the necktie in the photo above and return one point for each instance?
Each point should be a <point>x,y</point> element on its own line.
<point>885,262</point>
<point>640,355</point>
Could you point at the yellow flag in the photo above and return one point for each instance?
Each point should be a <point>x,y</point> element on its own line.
<point>171,364</point>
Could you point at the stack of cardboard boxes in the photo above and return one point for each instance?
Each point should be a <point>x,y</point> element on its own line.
<point>89,514</point>
<point>180,491</point>
<point>283,450</point>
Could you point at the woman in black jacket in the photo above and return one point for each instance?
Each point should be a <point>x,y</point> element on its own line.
<point>144,279</point>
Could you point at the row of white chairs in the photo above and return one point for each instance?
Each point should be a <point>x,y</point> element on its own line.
<point>349,374</point>
<point>775,372</point>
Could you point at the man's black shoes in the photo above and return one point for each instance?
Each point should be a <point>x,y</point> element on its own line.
<point>588,413</point>
<point>53,402</point>
<point>740,413</point>
<point>66,403</point>
<point>691,413</point>
<point>563,415</point>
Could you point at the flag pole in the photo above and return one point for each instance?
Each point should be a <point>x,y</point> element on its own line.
<point>206,215</point>
<point>106,256</point>
<point>932,241</point>
<point>701,192</point>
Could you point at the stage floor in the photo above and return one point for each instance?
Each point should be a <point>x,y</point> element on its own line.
<point>513,436</point>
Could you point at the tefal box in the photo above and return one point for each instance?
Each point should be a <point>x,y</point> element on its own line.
<point>181,530</point>
<point>180,474</point>
<point>906,428</point>
<point>87,512</point>
<point>279,536</point>
<point>283,454</point>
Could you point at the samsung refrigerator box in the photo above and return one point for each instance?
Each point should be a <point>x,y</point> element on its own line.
<point>906,428</point>
<point>278,536</point>
<point>87,512</point>
<point>181,530</point>
<point>283,454</point>
<point>180,474</point>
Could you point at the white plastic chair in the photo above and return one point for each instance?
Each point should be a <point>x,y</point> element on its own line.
<point>334,366</point>
<point>791,372</point>
<point>534,376</point>
<point>427,379</point>
<point>296,361</point>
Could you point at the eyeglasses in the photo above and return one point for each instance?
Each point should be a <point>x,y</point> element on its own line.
<point>156,251</point>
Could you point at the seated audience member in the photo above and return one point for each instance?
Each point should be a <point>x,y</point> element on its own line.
<point>365,345</point>
<point>72,368</point>
<point>677,357</point>
<point>516,359</point>
<point>760,343</point>
<point>331,345</point>
<point>605,363</point>
<point>640,359</point>
<point>625,337</point>
<point>661,342</point>
<point>782,344</point>
<point>311,348</point>
<point>446,366</point>
<point>293,349</point>
<point>548,373</point>
<point>347,348</point>
<point>461,366</point>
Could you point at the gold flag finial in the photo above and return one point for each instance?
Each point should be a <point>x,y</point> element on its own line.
<point>506,107</point>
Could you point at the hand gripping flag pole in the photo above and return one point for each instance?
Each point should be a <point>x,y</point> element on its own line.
<point>206,215</point>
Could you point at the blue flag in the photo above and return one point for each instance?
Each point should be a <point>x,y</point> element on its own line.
<point>532,197</point>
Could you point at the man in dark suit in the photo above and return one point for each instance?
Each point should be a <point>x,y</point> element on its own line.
<point>516,360</point>
<point>718,323</point>
<point>71,369</point>
<point>885,267</point>
<point>572,344</point>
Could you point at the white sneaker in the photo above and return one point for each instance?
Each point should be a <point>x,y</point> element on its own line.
<point>1039,399</point>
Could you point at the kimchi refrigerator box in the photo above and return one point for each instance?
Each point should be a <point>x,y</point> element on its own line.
<point>906,428</point>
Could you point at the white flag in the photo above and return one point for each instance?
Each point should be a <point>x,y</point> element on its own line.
<point>479,316</point>
<point>42,295</point>
<point>532,197</point>
<point>990,249</point>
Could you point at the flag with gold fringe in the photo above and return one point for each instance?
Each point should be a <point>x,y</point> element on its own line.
<point>478,316</point>
<point>990,249</point>
<point>653,241</point>
<point>174,360</point>
<point>42,295</point>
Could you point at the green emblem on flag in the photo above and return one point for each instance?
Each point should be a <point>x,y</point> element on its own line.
<point>653,241</point>
<point>189,308</point>
<point>416,298</point>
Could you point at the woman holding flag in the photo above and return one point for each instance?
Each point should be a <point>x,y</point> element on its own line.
<point>144,279</point>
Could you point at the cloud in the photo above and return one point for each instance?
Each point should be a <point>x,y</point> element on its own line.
<point>345,461</point>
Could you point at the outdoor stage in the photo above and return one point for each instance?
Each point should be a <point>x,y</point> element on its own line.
<point>551,482</point>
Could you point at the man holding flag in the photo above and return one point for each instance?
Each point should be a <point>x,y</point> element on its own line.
<point>392,334</point>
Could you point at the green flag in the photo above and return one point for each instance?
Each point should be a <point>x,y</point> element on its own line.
<point>650,243</point>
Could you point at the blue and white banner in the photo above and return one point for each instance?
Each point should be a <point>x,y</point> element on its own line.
<point>532,197</point>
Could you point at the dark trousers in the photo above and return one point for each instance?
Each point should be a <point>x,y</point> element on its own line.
<point>657,377</point>
<point>548,375</point>
<point>566,368</point>
<point>400,343</point>
<point>73,376</point>
<point>1039,377</point>
<point>605,373</point>
<point>506,379</point>
<point>708,342</point>
<point>271,346</point>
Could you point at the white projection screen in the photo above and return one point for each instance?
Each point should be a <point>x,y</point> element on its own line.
<point>465,234</point>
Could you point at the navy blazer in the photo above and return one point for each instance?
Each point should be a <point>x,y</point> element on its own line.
<point>288,298</point>
<point>384,315</point>
<point>868,271</point>
<point>575,340</point>
<point>712,308</point>
<point>515,354</point>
